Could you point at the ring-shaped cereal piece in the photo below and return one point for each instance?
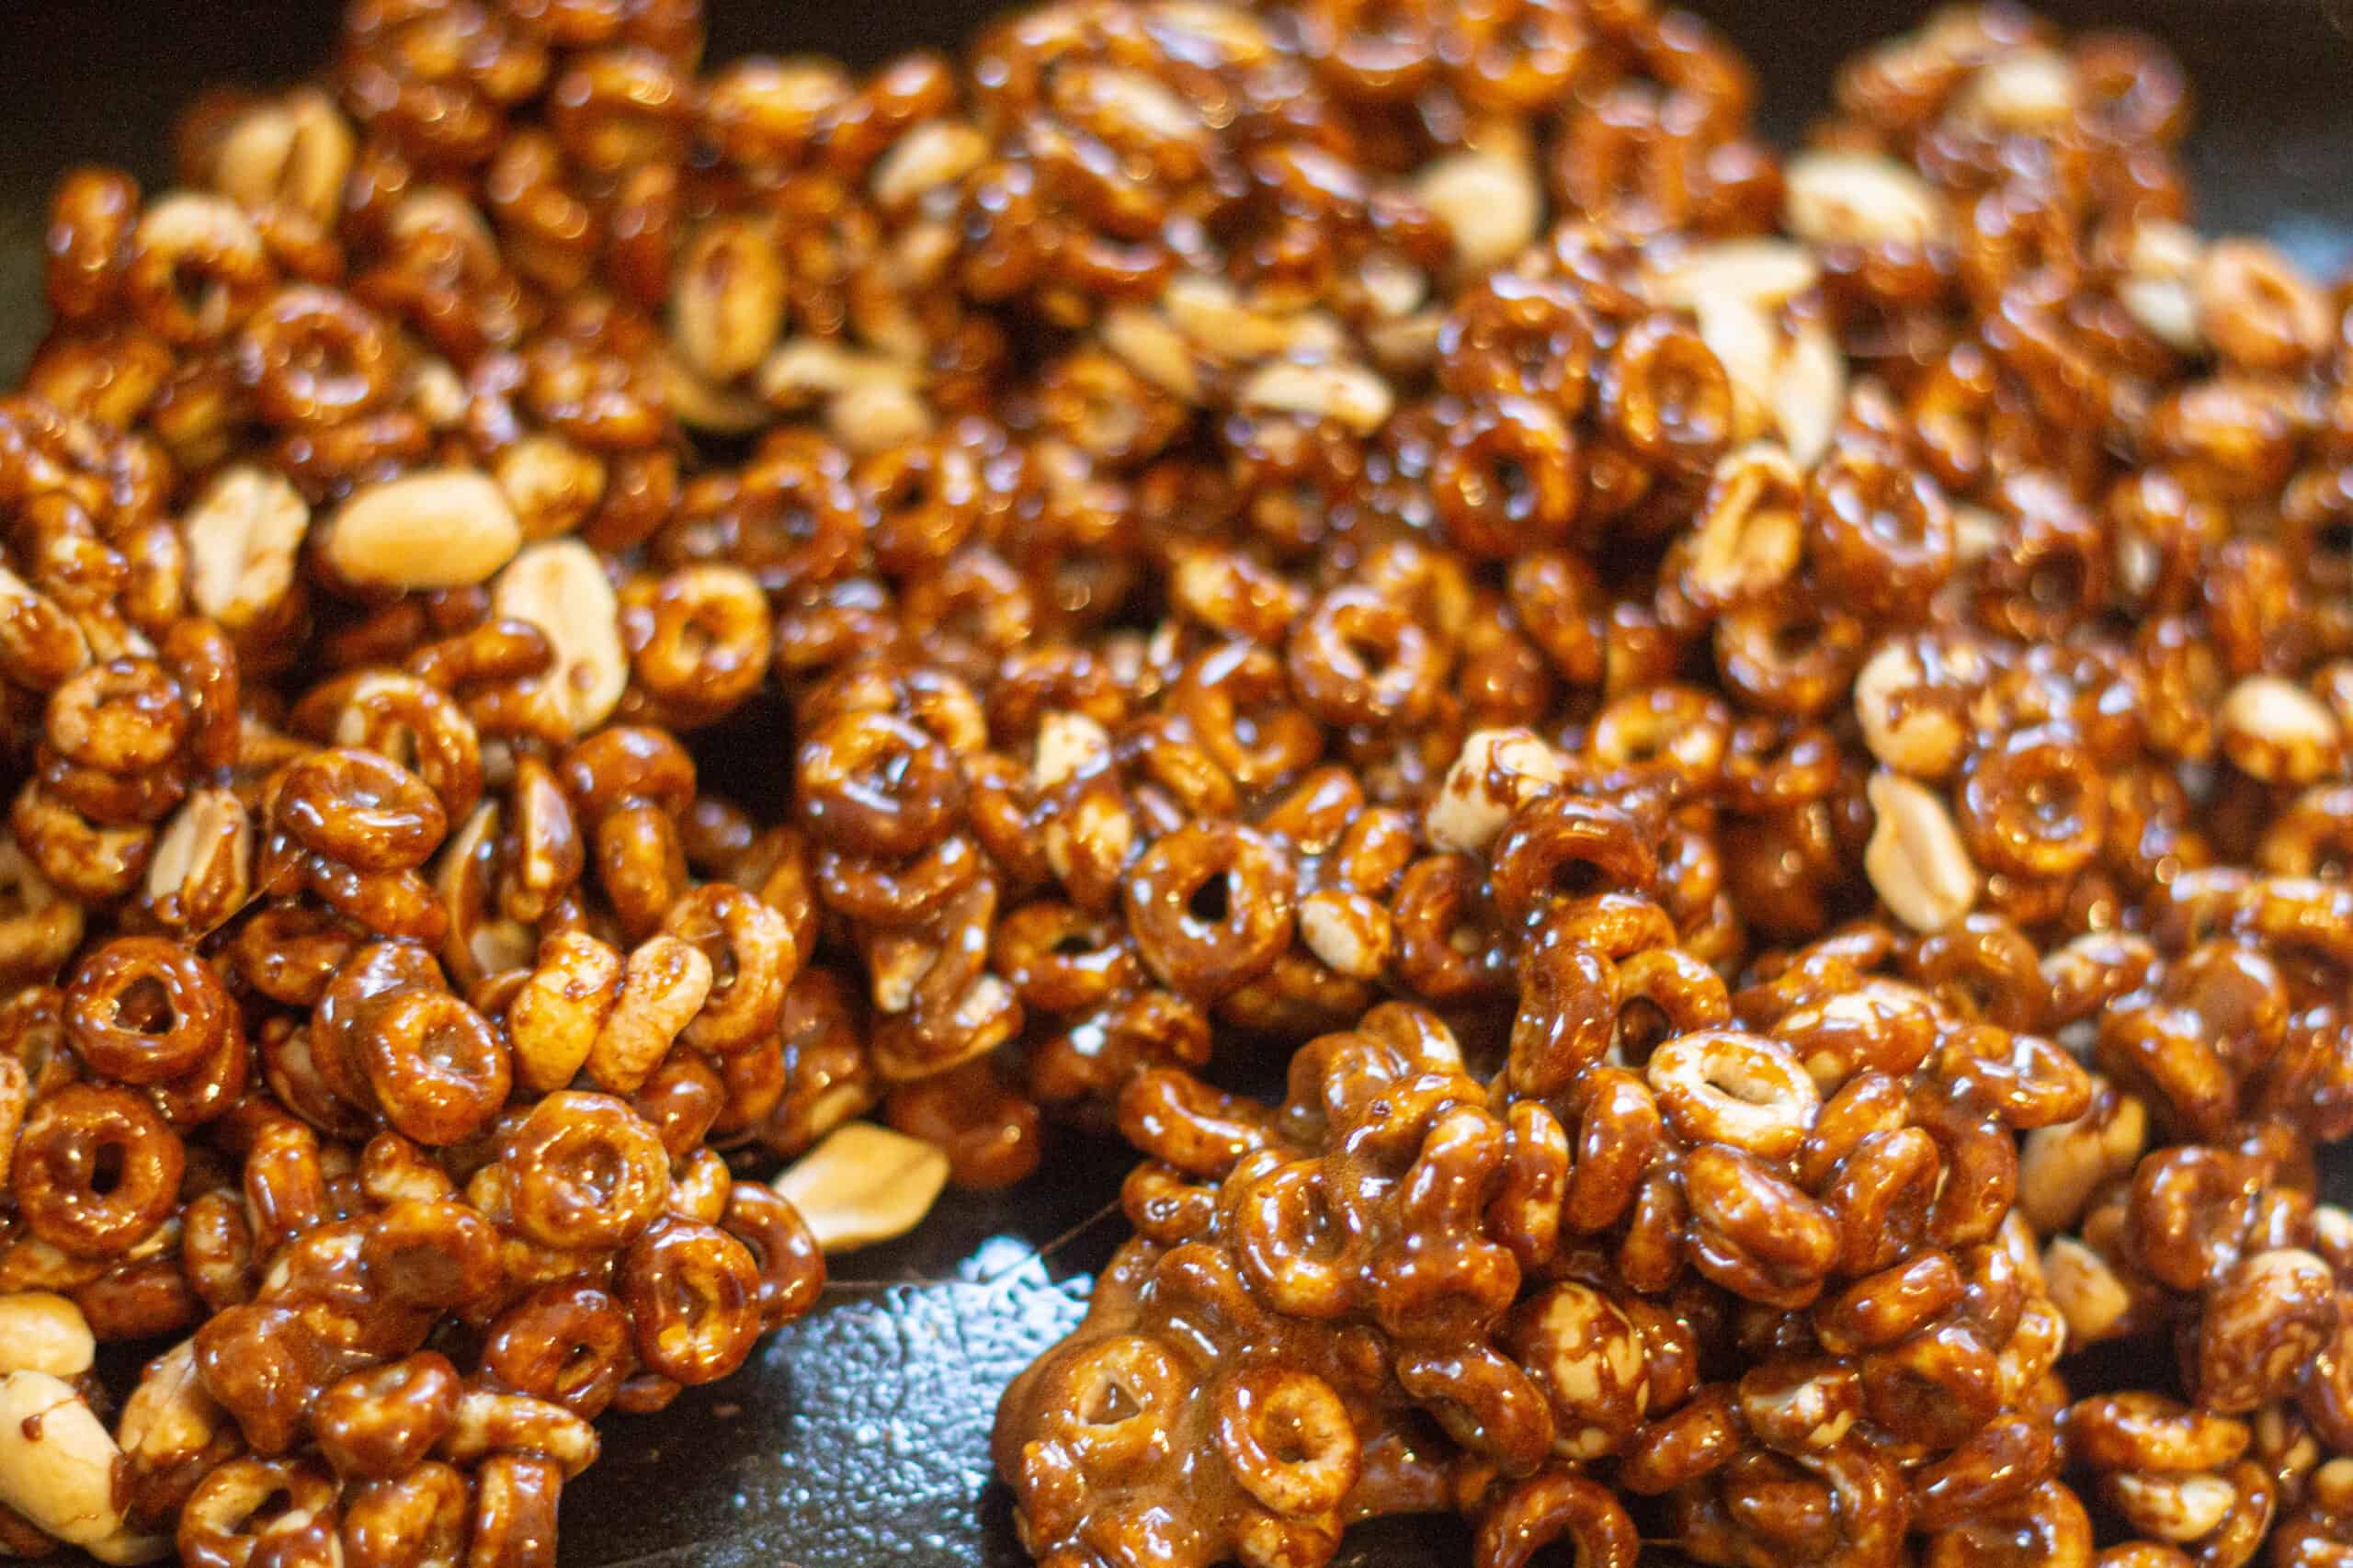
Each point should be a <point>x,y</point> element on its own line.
<point>1444,952</point>
<point>1514,334</point>
<point>144,1010</point>
<point>2033,805</point>
<point>419,1518</point>
<point>587,1173</point>
<point>1566,847</point>
<point>96,1170</point>
<point>1667,991</point>
<point>1893,1304</point>
<point>438,1069</point>
<point>698,639</point>
<point>382,1422</point>
<point>791,1265</point>
<point>209,1089</point>
<point>229,1517</point>
<point>756,1079</point>
<point>682,1100</point>
<point>1357,658</point>
<point>1567,1020</point>
<point>1113,1402</point>
<point>1879,533</point>
<point>1789,651</point>
<point>1306,1258</point>
<point>1618,1129</point>
<point>2142,1429</point>
<point>361,809</point>
<point>1508,478</point>
<point>125,716</point>
<point>1936,1388</point>
<point>1758,1218</point>
<point>568,1343</point>
<point>1485,1401</point>
<point>197,268</point>
<point>1171,1115</point>
<point>1667,395</point>
<point>1555,1506</point>
<point>1237,700</point>
<point>693,1295</point>
<point>516,1499</point>
<point>1286,1438</point>
<point>1742,1090</point>
<point>877,784</point>
<point>314,357</point>
<point>1061,959</point>
<point>1210,906</point>
<point>923,499</point>
<point>1682,1446</point>
<point>397,716</point>
<point>432,1252</point>
<point>753,957</point>
<point>1881,1198</point>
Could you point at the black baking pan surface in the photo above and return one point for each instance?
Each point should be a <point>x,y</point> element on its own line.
<point>858,1439</point>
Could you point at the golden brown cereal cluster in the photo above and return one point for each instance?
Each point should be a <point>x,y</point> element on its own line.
<point>1989,648</point>
<point>1772,730</point>
<point>1743,1261</point>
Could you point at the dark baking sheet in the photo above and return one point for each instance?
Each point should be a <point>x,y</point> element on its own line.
<point>858,1440</point>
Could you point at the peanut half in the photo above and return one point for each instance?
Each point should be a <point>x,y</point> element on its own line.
<point>864,1183</point>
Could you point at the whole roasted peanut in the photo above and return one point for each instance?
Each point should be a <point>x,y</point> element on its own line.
<point>728,303</point>
<point>1488,199</point>
<point>1590,1362</point>
<point>57,1463</point>
<point>438,528</point>
<point>43,1331</point>
<point>1860,198</point>
<point>2278,733</point>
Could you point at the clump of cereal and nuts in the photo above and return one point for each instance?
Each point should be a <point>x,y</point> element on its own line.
<point>1772,731</point>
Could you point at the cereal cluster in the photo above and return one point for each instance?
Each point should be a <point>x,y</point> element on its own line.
<point>1911,910</point>
<point>1771,731</point>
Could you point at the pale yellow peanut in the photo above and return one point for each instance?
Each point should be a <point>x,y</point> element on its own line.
<point>728,303</point>
<point>1860,198</point>
<point>1350,395</point>
<point>57,1463</point>
<point>1489,199</point>
<point>2275,731</point>
<point>292,154</point>
<point>1915,860</point>
<point>447,528</point>
<point>1496,773</point>
<point>864,1183</point>
<point>559,586</point>
<point>43,1331</point>
<point>202,870</point>
<point>243,535</point>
